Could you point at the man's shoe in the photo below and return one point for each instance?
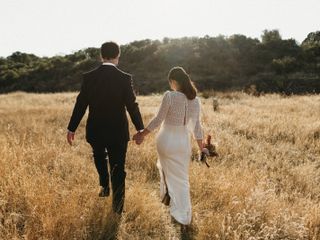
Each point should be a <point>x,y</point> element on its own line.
<point>104,192</point>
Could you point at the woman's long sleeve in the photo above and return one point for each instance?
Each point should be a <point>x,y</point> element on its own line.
<point>198,131</point>
<point>163,110</point>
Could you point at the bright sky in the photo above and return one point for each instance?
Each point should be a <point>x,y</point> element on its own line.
<point>50,27</point>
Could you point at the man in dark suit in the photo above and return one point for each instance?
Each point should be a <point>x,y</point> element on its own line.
<point>108,92</point>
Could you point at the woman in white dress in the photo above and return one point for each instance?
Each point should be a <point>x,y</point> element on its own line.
<point>179,117</point>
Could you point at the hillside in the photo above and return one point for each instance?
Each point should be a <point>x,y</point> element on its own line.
<point>237,62</point>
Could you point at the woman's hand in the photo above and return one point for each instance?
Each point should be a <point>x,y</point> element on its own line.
<point>200,145</point>
<point>203,156</point>
<point>145,132</point>
<point>139,136</point>
<point>205,151</point>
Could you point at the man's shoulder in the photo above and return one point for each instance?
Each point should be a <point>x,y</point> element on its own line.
<point>115,71</point>
<point>91,72</point>
<point>124,74</point>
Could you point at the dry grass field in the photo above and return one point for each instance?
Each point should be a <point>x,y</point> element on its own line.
<point>264,185</point>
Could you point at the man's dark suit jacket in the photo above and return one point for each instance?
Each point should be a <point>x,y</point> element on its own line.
<point>108,92</point>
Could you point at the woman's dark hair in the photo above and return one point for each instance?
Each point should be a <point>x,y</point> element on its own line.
<point>186,85</point>
<point>110,50</point>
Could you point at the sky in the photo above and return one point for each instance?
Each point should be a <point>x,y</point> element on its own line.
<point>58,27</point>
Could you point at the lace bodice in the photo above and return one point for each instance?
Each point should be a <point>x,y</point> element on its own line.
<point>177,110</point>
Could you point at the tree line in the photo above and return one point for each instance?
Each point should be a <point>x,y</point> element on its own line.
<point>220,63</point>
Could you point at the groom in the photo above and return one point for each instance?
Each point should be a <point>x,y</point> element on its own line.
<point>108,92</point>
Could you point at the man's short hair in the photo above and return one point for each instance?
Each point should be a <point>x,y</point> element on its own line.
<point>110,50</point>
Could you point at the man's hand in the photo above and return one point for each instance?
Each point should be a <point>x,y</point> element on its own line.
<point>138,138</point>
<point>70,137</point>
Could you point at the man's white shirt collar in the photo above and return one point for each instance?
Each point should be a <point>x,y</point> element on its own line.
<point>110,64</point>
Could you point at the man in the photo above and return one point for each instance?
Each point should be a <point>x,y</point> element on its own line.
<point>108,92</point>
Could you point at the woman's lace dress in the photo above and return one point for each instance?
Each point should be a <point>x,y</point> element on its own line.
<point>180,118</point>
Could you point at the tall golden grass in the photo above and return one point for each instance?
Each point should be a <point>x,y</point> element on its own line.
<point>264,185</point>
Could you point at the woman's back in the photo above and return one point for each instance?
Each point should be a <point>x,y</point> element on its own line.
<point>177,110</point>
<point>181,109</point>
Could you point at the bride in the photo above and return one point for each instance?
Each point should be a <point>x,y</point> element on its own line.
<point>179,115</point>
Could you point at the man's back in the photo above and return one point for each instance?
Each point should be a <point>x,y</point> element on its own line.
<point>108,92</point>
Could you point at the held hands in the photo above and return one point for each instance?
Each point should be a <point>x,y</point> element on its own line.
<point>138,137</point>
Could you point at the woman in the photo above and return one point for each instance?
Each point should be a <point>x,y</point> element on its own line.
<point>180,114</point>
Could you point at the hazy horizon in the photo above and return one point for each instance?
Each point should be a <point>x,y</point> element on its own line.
<point>47,28</point>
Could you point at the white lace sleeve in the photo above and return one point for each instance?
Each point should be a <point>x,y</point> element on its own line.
<point>161,115</point>
<point>198,132</point>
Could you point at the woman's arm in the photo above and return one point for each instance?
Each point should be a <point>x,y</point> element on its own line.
<point>161,115</point>
<point>156,121</point>
<point>200,144</point>
<point>198,132</point>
